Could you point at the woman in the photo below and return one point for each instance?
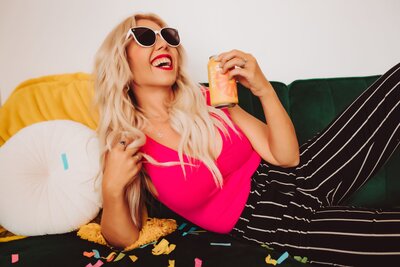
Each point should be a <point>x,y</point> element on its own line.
<point>228,172</point>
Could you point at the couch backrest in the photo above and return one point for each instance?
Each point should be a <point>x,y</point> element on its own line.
<point>315,103</point>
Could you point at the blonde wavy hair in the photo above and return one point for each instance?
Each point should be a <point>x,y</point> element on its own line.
<point>191,117</point>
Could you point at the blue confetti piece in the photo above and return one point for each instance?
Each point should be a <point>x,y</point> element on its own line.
<point>283,257</point>
<point>65,161</point>
<point>145,245</point>
<point>96,253</point>
<point>190,230</point>
<point>182,226</point>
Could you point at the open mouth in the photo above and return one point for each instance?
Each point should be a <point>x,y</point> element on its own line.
<point>163,62</point>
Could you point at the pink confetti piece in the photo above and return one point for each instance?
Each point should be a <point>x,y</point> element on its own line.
<point>14,258</point>
<point>197,262</point>
<point>97,264</point>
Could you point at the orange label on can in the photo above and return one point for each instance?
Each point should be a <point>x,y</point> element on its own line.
<point>223,91</point>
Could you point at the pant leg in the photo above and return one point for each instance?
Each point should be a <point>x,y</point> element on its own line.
<point>351,237</point>
<point>339,160</point>
<point>278,216</point>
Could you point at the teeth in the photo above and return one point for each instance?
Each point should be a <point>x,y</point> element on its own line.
<point>161,61</point>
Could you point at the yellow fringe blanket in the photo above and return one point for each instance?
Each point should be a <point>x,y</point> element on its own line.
<point>153,229</point>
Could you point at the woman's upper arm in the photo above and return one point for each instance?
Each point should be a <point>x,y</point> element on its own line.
<point>255,130</point>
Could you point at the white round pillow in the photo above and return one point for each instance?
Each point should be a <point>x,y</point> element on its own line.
<point>48,181</point>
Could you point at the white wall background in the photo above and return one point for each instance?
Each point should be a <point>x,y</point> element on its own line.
<point>291,39</point>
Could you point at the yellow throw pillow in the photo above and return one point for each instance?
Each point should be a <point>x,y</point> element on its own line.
<point>53,97</point>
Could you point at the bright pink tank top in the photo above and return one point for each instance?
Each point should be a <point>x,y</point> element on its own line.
<point>196,197</point>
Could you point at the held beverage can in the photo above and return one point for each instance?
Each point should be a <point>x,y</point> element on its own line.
<point>223,91</point>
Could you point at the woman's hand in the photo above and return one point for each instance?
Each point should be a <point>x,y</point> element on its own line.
<point>122,165</point>
<point>275,142</point>
<point>244,68</point>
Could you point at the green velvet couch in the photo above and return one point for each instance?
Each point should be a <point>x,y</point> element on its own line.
<point>312,104</point>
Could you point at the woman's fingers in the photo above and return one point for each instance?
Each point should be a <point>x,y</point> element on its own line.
<point>226,56</point>
<point>137,158</point>
<point>234,63</point>
<point>238,72</point>
<point>131,150</point>
<point>135,169</point>
<point>122,143</point>
<point>244,68</point>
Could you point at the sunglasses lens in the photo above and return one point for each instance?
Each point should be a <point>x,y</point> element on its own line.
<point>144,36</point>
<point>171,36</point>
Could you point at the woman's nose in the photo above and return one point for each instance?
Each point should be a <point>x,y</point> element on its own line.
<point>160,42</point>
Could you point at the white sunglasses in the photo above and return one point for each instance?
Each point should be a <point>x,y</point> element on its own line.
<point>146,37</point>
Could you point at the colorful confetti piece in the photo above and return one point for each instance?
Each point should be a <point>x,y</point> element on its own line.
<point>282,258</point>
<point>96,253</point>
<point>14,258</point>
<point>197,262</point>
<point>119,257</point>
<point>300,259</point>
<point>110,257</point>
<point>192,229</point>
<point>269,260</point>
<point>145,245</point>
<point>133,258</point>
<point>97,264</point>
<point>163,247</point>
<point>267,247</point>
<point>65,161</point>
<point>182,226</point>
<point>221,244</point>
<point>88,254</point>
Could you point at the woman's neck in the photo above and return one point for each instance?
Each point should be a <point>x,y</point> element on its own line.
<point>154,100</point>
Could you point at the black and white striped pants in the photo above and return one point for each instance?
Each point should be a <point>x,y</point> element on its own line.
<point>299,209</point>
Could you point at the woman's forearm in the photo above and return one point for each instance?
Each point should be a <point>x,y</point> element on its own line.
<point>281,133</point>
<point>116,223</point>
